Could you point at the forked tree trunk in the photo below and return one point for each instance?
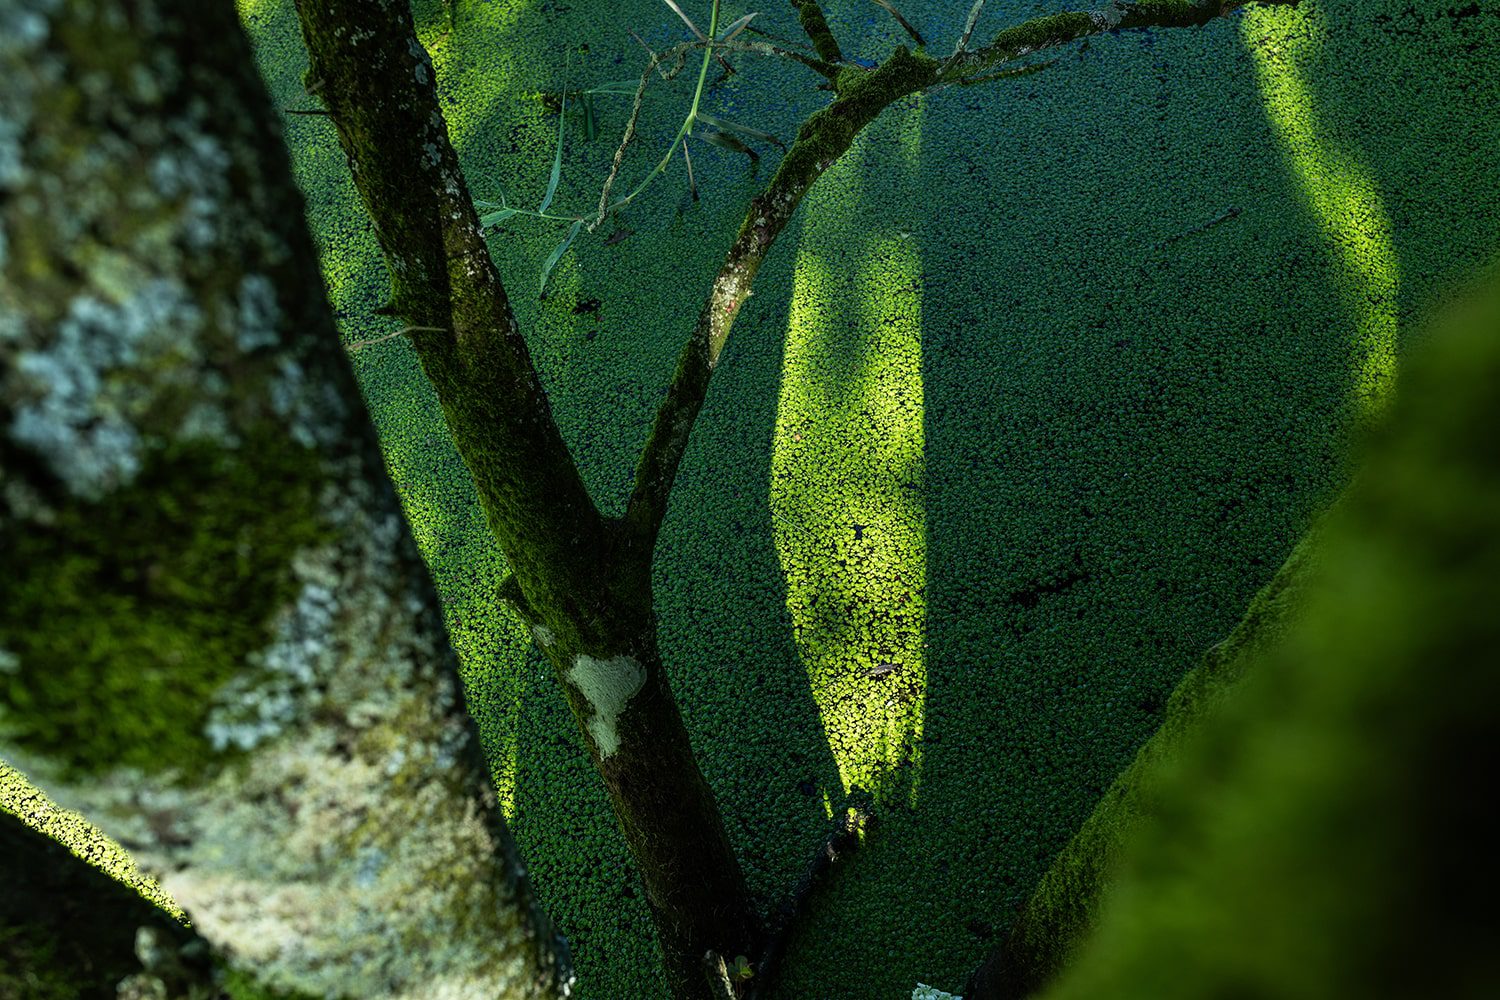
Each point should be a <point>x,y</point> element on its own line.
<point>581,581</point>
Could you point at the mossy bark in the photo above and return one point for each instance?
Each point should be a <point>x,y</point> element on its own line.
<point>582,581</point>
<point>217,638</point>
<point>577,578</point>
<point>816,27</point>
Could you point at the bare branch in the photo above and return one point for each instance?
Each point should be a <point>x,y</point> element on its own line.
<point>1060,29</point>
<point>910,28</point>
<point>361,344</point>
<point>651,52</point>
<point>963,40</point>
<point>822,139</point>
<point>443,279</point>
<point>1007,74</point>
<point>635,114</point>
<point>827,69</point>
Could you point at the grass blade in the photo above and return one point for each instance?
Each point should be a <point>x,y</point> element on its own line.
<point>901,20</point>
<point>737,27</point>
<point>556,255</point>
<point>727,141</point>
<point>614,87</point>
<point>590,126</point>
<point>728,126</point>
<point>685,20</point>
<point>688,159</point>
<point>490,219</point>
<point>562,121</point>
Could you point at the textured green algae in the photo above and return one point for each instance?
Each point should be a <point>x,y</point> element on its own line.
<point>1122,439</point>
<point>1065,907</point>
<point>846,481</point>
<point>19,797</point>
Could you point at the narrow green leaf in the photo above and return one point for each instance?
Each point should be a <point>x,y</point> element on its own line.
<point>614,87</point>
<point>590,126</point>
<point>737,27</point>
<point>729,126</point>
<point>901,20</point>
<point>556,255</point>
<point>495,218</point>
<point>562,121</point>
<point>727,141</point>
<point>678,11</point>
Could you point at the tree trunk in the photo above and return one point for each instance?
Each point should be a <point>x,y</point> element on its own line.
<point>1064,909</point>
<point>217,638</point>
<point>580,581</point>
<point>619,694</point>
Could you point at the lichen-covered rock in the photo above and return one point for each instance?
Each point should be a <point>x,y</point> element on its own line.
<point>219,642</point>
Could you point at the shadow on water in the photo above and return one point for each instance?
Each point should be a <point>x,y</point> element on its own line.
<point>1147,329</point>
<point>1131,400</point>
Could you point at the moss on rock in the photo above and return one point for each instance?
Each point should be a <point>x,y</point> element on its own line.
<point>136,610</point>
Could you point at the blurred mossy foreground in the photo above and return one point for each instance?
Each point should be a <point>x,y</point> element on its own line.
<point>1047,460</point>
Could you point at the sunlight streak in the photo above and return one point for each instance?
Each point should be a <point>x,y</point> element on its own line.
<point>1342,195</point>
<point>847,473</point>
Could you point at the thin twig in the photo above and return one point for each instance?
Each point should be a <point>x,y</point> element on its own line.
<point>851,821</point>
<point>911,30</point>
<point>822,68</point>
<point>316,112</point>
<point>625,140</point>
<point>1233,212</point>
<point>775,38</point>
<point>1006,74</point>
<point>688,159</point>
<point>656,60</point>
<point>963,41</point>
<point>359,344</point>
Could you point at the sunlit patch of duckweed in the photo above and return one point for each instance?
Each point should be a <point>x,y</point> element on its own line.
<point>1342,194</point>
<point>846,490</point>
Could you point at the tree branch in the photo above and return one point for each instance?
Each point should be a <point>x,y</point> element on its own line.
<point>220,641</point>
<point>823,138</point>
<point>1060,29</point>
<point>818,32</point>
<point>443,279</point>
